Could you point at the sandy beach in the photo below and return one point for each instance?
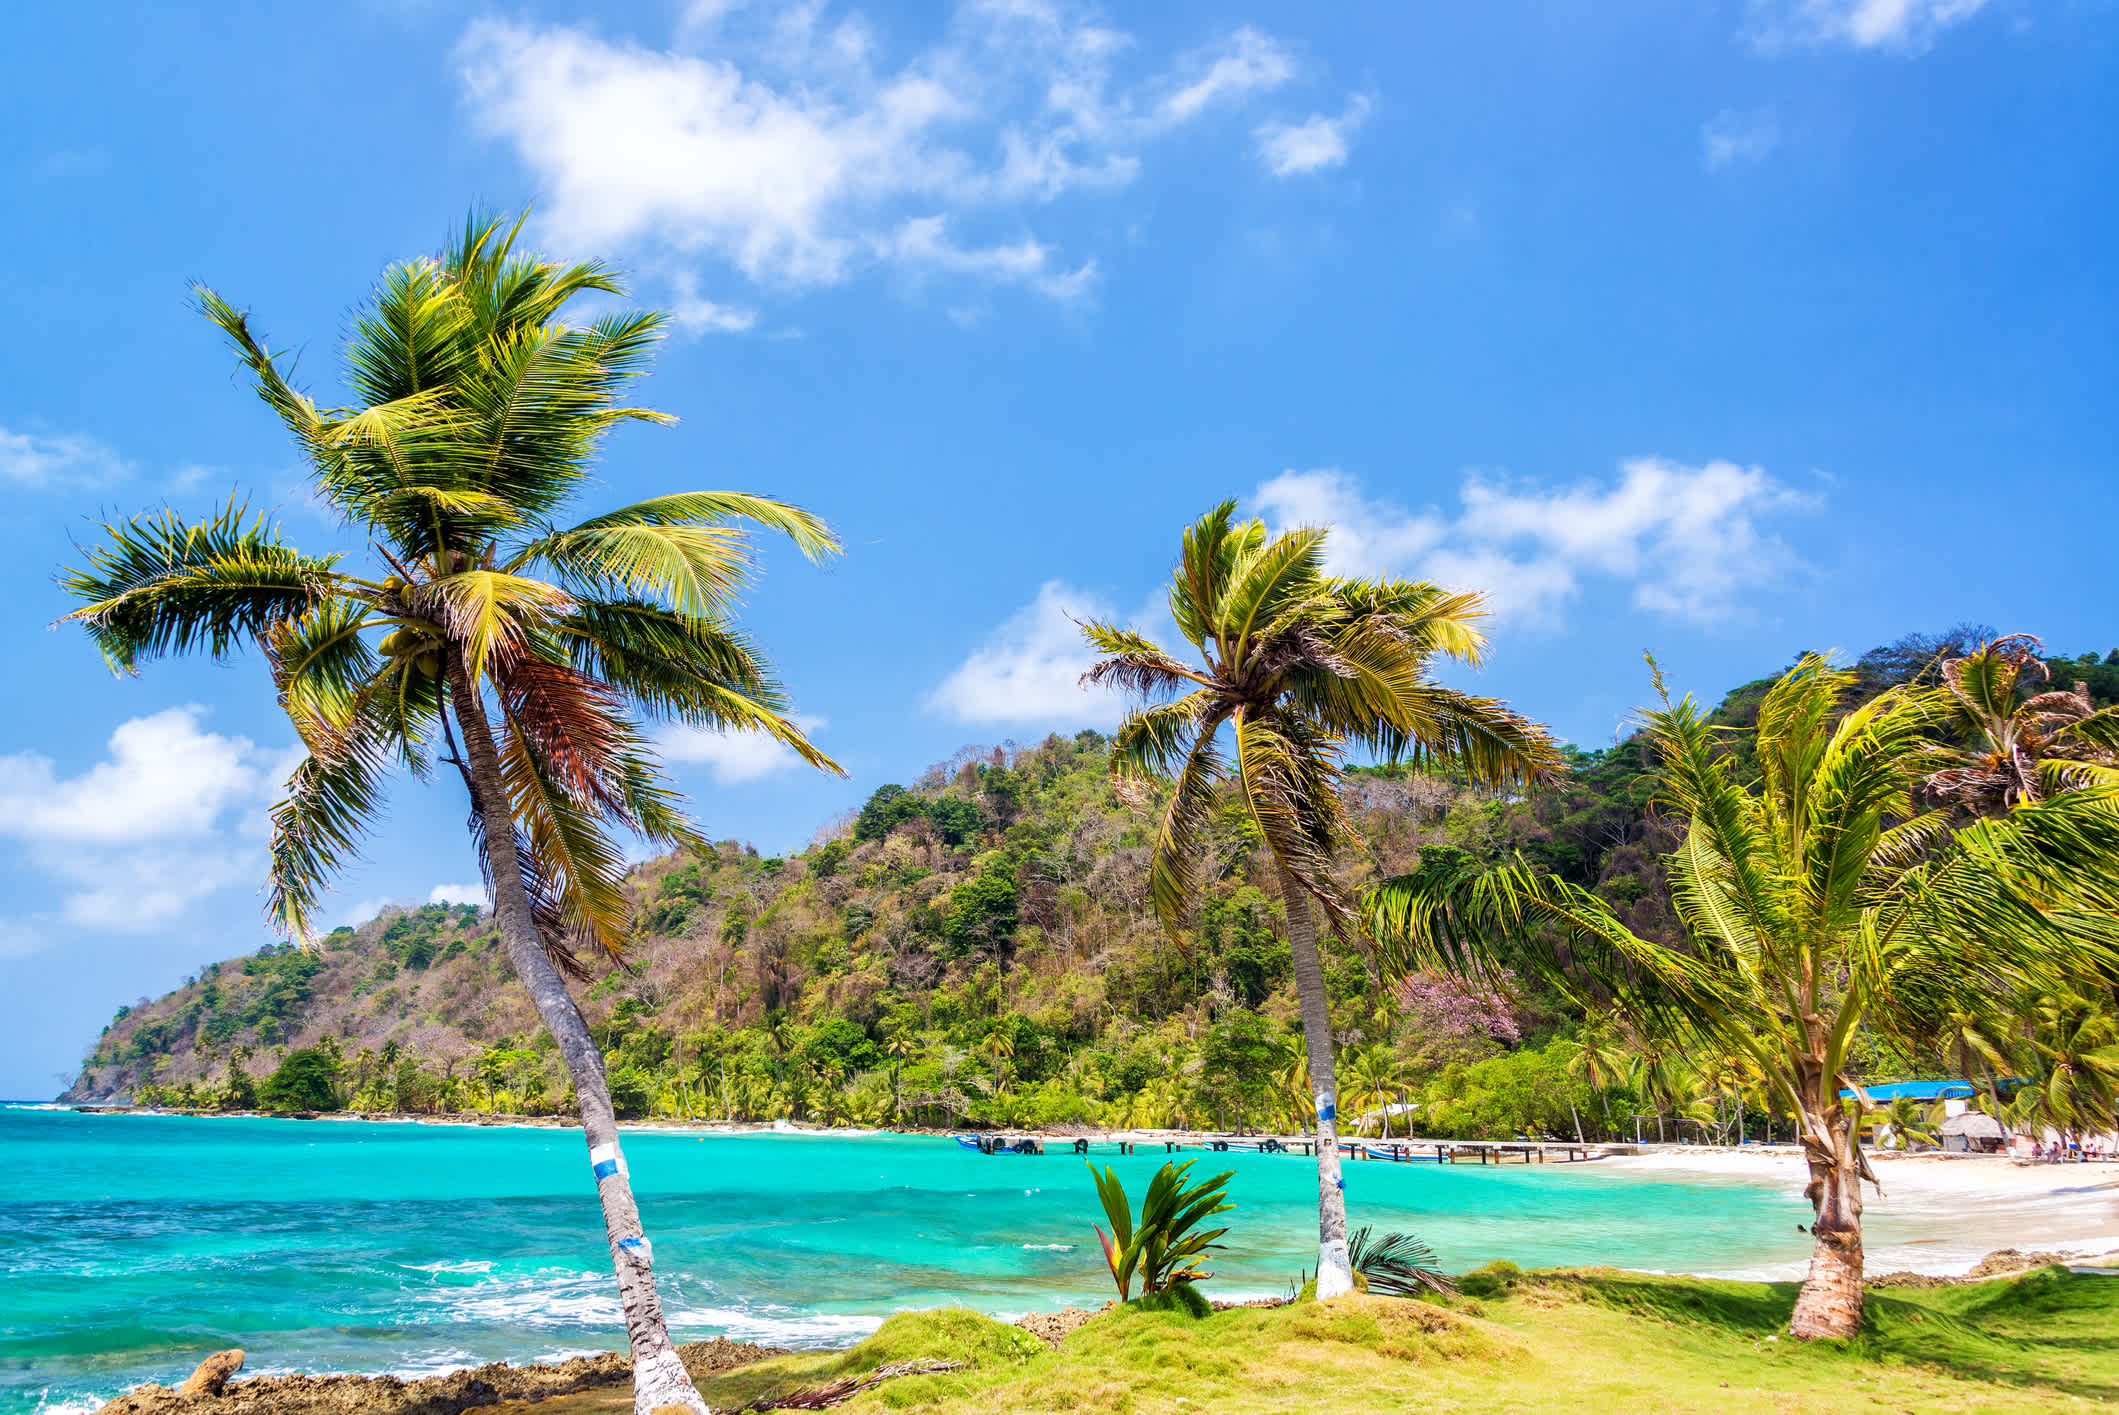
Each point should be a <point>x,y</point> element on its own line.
<point>1936,1214</point>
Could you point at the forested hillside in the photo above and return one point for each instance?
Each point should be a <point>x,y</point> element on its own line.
<point>974,947</point>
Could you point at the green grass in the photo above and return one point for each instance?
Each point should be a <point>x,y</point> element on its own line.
<point>1578,1340</point>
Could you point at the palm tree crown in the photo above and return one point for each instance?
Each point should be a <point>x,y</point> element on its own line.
<point>2018,745</point>
<point>480,412</point>
<point>1301,666</point>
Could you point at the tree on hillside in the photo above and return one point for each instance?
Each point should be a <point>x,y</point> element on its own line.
<point>1818,902</point>
<point>1298,666</point>
<point>512,646</point>
<point>2018,745</point>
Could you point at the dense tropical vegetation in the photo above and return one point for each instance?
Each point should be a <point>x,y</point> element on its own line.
<point>1820,900</point>
<point>869,978</point>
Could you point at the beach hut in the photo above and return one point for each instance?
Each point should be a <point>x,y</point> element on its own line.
<point>1973,1133</point>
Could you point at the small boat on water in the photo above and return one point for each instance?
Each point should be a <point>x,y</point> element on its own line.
<point>1001,1145</point>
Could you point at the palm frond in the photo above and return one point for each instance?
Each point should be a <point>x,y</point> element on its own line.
<point>157,585</point>
<point>810,534</point>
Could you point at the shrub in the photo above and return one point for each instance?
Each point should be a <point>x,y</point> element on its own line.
<point>306,1080</point>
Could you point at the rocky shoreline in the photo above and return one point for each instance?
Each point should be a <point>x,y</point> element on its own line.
<point>211,1390</point>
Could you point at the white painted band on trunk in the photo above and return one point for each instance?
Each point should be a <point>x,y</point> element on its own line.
<point>599,1153</point>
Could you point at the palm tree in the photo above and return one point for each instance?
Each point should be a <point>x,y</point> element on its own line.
<point>1657,1073</point>
<point>1818,900</point>
<point>1600,1063</point>
<point>1976,1046</point>
<point>1911,1122</point>
<point>2014,751</point>
<point>519,645</point>
<point>1299,666</point>
<point>1373,1078</point>
<point>1000,1045</point>
<point>2077,1047</point>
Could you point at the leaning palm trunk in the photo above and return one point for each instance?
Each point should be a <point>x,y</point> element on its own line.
<point>1830,1303</point>
<point>480,412</point>
<point>659,1378</point>
<point>1335,1272</point>
<point>1296,666</point>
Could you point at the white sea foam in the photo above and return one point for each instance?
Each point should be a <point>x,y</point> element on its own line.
<point>72,1404</point>
<point>562,1299</point>
<point>1048,1247</point>
<point>463,1267</point>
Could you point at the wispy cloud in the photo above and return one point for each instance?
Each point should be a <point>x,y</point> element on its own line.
<point>1688,539</point>
<point>1731,137</point>
<point>734,758</point>
<point>30,460</point>
<point>1029,669</point>
<point>1904,26</point>
<point>1290,149</point>
<point>782,147</point>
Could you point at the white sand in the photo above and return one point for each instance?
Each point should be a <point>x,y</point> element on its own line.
<point>1936,1214</point>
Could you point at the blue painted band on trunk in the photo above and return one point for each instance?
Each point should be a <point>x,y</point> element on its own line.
<point>606,1168</point>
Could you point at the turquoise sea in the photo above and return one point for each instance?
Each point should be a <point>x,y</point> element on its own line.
<point>132,1245</point>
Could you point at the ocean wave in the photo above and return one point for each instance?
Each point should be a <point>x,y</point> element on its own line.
<point>472,1266</point>
<point>69,1404</point>
<point>1048,1247</point>
<point>556,1299</point>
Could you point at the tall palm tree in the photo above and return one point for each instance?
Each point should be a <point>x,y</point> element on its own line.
<point>2076,1043</point>
<point>1818,901</point>
<point>1374,1078</point>
<point>1599,1063</point>
<point>1298,666</point>
<point>1975,1044</point>
<point>514,647</point>
<point>2014,748</point>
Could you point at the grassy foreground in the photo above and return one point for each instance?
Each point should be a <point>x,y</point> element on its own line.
<point>1581,1340</point>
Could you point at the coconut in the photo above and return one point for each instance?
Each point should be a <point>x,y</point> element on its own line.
<point>429,663</point>
<point>399,642</point>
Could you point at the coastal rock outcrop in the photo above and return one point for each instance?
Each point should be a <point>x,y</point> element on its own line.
<point>391,1395</point>
<point>212,1374</point>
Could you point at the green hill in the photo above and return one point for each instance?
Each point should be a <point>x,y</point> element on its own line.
<point>973,947</point>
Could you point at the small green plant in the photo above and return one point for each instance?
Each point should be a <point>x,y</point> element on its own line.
<point>1163,1247</point>
<point>1397,1264</point>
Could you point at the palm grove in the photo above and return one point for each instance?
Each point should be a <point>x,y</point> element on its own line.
<point>1926,843</point>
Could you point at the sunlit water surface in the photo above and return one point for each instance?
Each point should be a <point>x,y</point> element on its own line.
<point>132,1245</point>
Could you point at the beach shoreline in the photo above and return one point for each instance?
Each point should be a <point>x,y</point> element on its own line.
<point>1986,1203</point>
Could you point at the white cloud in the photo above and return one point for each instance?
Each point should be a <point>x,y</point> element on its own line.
<point>28,460</point>
<point>1907,26</point>
<point>734,757</point>
<point>1030,669</point>
<point>1289,149</point>
<point>1686,537</point>
<point>166,819</point>
<point>779,145</point>
<point>164,777</point>
<point>458,894</point>
<point>1249,63</point>
<point>1730,137</point>
<point>696,315</point>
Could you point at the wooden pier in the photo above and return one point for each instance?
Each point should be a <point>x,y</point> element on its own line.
<point>1415,1151</point>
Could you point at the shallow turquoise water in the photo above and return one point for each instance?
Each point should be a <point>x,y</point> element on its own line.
<point>132,1245</point>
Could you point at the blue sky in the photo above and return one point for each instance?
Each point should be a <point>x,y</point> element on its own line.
<point>1725,330</point>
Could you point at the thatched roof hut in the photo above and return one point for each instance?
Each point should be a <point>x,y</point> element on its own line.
<point>1973,1131</point>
